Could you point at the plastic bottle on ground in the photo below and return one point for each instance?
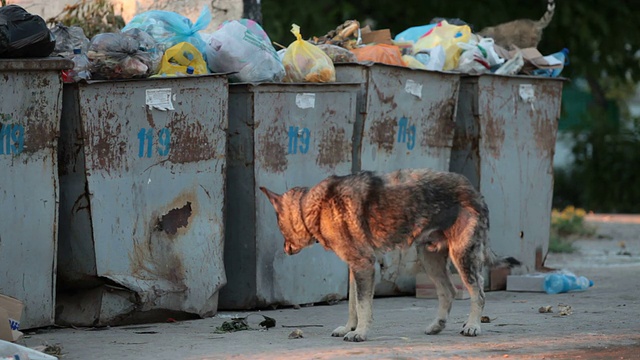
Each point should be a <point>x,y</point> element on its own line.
<point>557,283</point>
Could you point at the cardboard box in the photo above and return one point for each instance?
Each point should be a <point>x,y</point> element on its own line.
<point>378,36</point>
<point>10,315</point>
<point>425,289</point>
<point>498,278</point>
<point>527,283</point>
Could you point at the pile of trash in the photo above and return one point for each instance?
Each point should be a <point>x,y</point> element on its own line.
<point>160,43</point>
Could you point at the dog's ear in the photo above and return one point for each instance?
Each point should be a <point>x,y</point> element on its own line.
<point>275,199</point>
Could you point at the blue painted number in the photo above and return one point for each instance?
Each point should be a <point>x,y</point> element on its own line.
<point>406,133</point>
<point>303,135</point>
<point>145,141</point>
<point>11,139</point>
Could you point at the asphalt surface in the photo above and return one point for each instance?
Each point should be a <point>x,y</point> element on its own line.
<point>603,323</point>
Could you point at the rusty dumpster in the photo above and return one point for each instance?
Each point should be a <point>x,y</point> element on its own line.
<point>405,120</point>
<point>142,176</point>
<point>504,143</point>
<point>30,108</point>
<point>281,136</point>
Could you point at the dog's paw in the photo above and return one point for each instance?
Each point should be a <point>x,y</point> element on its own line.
<point>340,331</point>
<point>436,327</point>
<point>356,336</point>
<point>471,330</point>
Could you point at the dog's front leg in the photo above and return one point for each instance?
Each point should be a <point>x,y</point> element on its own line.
<point>353,316</point>
<point>364,280</point>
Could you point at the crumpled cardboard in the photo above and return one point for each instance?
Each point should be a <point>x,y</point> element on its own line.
<point>10,315</point>
<point>533,59</point>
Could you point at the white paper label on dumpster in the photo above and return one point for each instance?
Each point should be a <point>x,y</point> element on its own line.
<point>413,88</point>
<point>306,100</point>
<point>159,99</point>
<point>528,94</point>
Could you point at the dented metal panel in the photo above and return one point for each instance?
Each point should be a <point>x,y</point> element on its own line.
<point>504,143</point>
<point>281,136</point>
<point>406,119</point>
<point>142,178</point>
<point>30,106</point>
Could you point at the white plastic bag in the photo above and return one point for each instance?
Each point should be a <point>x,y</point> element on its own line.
<point>246,52</point>
<point>11,351</point>
<point>473,59</point>
<point>435,60</point>
<point>511,67</point>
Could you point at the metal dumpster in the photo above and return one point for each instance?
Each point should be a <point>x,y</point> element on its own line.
<point>30,106</point>
<point>281,136</point>
<point>405,120</point>
<point>504,143</point>
<point>142,176</point>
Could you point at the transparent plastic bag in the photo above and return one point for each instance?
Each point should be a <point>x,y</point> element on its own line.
<point>119,56</point>
<point>243,49</point>
<point>69,38</point>
<point>447,36</point>
<point>169,28</point>
<point>178,58</point>
<point>305,62</point>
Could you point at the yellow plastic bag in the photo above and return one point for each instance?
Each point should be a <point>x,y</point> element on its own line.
<point>179,57</point>
<point>305,62</point>
<point>413,63</point>
<point>447,36</point>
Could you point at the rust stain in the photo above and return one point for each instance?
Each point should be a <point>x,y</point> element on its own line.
<point>272,150</point>
<point>108,151</point>
<point>189,140</point>
<point>493,135</point>
<point>150,117</point>
<point>438,133</point>
<point>333,147</point>
<point>158,256</point>
<point>383,133</point>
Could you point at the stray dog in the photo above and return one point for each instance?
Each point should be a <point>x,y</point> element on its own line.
<point>360,214</point>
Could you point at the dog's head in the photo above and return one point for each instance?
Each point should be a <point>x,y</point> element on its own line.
<point>290,221</point>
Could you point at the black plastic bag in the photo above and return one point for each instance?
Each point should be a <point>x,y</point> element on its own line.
<point>23,35</point>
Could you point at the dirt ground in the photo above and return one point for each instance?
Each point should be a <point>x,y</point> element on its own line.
<point>603,325</point>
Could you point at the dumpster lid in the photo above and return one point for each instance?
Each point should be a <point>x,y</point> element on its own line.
<point>531,77</point>
<point>50,63</point>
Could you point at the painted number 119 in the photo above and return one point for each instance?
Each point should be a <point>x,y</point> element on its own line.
<point>146,139</point>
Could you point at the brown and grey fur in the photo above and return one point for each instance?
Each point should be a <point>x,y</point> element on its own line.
<point>522,33</point>
<point>361,214</point>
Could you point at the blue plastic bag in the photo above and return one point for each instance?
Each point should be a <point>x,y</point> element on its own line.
<point>169,28</point>
<point>414,33</point>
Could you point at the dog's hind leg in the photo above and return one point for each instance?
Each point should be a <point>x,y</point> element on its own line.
<point>353,316</point>
<point>467,239</point>
<point>435,265</point>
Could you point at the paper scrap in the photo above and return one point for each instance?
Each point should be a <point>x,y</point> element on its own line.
<point>159,99</point>
<point>413,88</point>
<point>528,94</point>
<point>306,100</point>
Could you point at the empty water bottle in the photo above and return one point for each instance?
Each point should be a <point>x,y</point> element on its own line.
<point>560,283</point>
<point>80,69</point>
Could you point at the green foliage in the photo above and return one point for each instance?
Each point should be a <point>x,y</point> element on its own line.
<point>566,225</point>
<point>93,16</point>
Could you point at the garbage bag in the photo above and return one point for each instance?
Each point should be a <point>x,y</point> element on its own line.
<point>169,28</point>
<point>305,62</point>
<point>414,33</point>
<point>338,54</point>
<point>119,56</point>
<point>69,38</point>
<point>23,35</point>
<point>380,53</point>
<point>447,36</point>
<point>179,57</point>
<point>242,48</point>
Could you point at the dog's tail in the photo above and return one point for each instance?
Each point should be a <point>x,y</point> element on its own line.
<point>491,258</point>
